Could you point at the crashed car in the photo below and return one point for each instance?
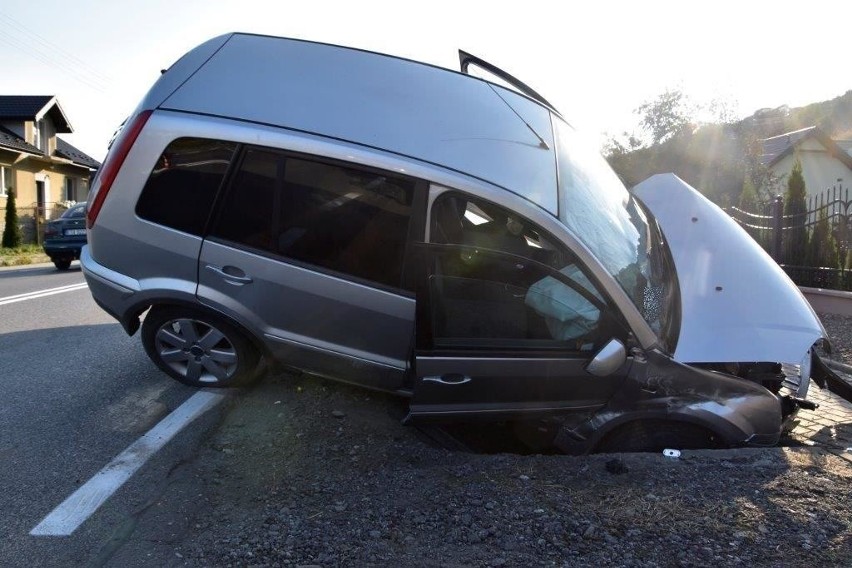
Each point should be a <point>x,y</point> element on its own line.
<point>438,236</point>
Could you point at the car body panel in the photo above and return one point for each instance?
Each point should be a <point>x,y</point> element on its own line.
<point>737,304</point>
<point>302,314</point>
<point>736,411</point>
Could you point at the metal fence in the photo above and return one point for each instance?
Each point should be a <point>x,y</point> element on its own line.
<point>774,231</point>
<point>32,219</point>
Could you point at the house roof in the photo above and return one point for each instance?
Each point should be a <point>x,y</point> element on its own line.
<point>66,150</point>
<point>34,107</point>
<point>11,141</point>
<point>777,147</point>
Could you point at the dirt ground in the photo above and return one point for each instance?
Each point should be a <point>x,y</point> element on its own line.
<point>306,472</point>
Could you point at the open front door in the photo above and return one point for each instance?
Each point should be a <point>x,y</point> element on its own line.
<point>501,334</point>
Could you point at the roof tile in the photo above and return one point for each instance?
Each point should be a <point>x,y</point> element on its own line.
<point>22,106</point>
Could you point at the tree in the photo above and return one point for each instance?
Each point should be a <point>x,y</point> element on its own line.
<point>748,197</point>
<point>666,116</point>
<point>12,232</point>
<point>822,251</point>
<point>767,184</point>
<point>620,145</point>
<point>796,212</point>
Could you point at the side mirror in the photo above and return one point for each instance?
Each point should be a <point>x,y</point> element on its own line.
<point>608,360</point>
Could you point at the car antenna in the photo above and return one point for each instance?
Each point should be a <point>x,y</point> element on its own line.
<point>541,141</point>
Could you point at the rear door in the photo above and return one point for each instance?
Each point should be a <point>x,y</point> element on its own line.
<point>507,320</point>
<point>308,254</point>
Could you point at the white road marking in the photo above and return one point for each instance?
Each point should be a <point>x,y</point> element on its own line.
<point>41,293</point>
<point>81,504</point>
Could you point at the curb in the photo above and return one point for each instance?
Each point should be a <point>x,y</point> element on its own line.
<point>837,366</point>
<point>26,266</point>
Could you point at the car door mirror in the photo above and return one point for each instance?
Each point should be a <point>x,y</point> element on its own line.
<point>608,360</point>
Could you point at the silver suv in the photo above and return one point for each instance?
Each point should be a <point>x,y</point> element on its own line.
<point>432,234</point>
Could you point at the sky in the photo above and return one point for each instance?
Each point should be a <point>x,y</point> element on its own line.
<point>595,61</point>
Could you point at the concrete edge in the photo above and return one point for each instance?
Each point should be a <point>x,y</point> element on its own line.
<point>838,366</point>
<point>26,266</point>
<point>825,301</point>
<point>826,292</point>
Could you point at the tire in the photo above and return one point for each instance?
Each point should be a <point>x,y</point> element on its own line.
<point>198,349</point>
<point>656,436</point>
<point>62,264</point>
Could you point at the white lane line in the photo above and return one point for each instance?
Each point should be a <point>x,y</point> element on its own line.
<point>81,504</point>
<point>41,293</point>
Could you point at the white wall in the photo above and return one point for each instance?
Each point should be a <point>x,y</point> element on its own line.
<point>820,170</point>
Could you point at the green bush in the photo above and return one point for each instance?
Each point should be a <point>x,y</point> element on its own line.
<point>12,232</point>
<point>822,249</point>
<point>795,209</point>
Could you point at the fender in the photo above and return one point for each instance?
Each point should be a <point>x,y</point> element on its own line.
<point>738,411</point>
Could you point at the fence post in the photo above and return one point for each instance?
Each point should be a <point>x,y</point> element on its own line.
<point>777,214</point>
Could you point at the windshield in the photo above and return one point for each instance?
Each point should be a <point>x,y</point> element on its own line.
<point>598,209</point>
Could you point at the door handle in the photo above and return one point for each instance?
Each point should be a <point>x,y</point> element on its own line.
<point>449,379</point>
<point>231,274</point>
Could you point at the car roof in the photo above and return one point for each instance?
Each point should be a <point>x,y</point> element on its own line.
<point>428,113</point>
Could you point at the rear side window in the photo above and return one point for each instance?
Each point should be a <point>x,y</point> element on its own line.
<point>183,184</point>
<point>338,217</point>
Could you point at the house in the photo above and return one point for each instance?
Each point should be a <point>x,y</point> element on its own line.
<point>825,162</point>
<point>42,168</point>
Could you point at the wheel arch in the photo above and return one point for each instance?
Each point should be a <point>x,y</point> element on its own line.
<point>588,437</point>
<point>131,320</point>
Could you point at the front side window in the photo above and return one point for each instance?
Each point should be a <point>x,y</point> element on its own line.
<point>180,191</point>
<point>497,280</point>
<point>338,217</point>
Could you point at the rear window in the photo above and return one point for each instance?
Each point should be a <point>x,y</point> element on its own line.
<point>183,184</point>
<point>339,217</point>
<point>76,212</point>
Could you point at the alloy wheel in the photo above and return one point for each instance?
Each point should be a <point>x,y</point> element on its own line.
<point>196,350</point>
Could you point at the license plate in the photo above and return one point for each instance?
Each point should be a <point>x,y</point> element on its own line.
<point>72,232</point>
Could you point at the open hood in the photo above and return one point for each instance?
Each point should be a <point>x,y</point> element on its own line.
<point>737,305</point>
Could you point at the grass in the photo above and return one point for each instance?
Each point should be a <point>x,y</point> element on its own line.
<point>24,254</point>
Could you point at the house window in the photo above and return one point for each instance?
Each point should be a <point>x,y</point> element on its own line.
<point>70,189</point>
<point>5,180</point>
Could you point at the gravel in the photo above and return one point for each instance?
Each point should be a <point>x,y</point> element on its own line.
<point>839,330</point>
<point>305,472</point>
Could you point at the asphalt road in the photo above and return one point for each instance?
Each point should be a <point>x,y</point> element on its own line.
<point>77,391</point>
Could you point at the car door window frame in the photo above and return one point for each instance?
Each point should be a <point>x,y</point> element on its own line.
<point>610,317</point>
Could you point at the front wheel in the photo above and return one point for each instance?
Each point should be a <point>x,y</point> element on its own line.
<point>62,264</point>
<point>198,349</point>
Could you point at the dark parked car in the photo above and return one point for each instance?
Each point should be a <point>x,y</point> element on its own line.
<point>64,237</point>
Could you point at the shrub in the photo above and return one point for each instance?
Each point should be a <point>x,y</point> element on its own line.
<point>12,237</point>
<point>796,211</point>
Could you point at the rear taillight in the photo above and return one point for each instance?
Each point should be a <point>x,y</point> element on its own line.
<point>50,230</point>
<point>113,162</point>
